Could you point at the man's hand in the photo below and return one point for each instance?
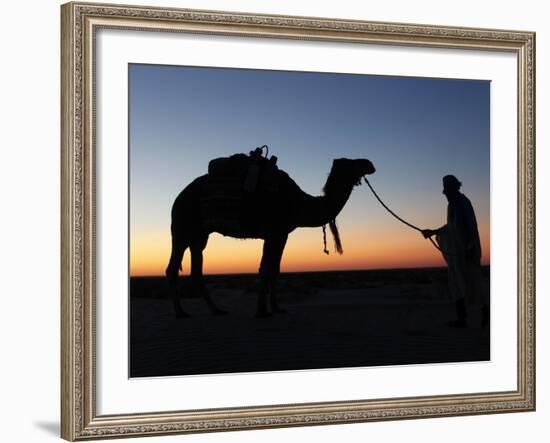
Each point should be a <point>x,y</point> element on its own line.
<point>428,233</point>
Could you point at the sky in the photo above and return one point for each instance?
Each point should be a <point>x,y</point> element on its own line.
<point>414,130</point>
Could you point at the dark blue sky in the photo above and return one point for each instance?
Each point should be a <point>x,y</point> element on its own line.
<point>415,130</point>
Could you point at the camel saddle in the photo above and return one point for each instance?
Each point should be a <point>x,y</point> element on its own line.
<point>231,184</point>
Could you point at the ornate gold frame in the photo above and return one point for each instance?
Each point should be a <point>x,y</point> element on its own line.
<point>79,21</point>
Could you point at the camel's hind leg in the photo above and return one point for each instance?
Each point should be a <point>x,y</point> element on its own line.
<point>178,248</point>
<point>197,246</point>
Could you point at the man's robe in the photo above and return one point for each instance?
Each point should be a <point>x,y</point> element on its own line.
<point>459,241</point>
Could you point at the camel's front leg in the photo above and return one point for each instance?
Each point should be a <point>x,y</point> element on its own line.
<point>278,255</point>
<point>261,310</point>
<point>275,306</point>
<point>269,270</point>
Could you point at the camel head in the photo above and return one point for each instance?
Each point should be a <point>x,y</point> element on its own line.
<point>344,175</point>
<point>352,169</point>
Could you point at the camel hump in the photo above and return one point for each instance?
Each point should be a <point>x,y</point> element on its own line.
<point>235,166</point>
<point>254,172</point>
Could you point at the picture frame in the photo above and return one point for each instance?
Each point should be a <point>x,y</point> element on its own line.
<point>80,23</point>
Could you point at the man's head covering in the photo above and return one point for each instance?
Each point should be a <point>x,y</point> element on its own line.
<point>451,182</point>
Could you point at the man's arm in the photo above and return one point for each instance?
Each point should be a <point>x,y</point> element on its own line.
<point>427,233</point>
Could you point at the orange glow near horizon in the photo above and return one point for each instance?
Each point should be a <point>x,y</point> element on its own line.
<point>380,248</point>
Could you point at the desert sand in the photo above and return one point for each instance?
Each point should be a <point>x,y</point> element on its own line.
<point>334,320</point>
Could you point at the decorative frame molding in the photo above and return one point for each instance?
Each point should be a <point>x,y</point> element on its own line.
<point>79,21</point>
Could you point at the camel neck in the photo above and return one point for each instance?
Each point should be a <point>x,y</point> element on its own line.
<point>318,211</point>
<point>336,196</point>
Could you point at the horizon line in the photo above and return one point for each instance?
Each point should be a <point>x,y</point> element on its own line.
<point>310,272</point>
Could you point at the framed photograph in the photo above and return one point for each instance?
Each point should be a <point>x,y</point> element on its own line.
<point>283,221</point>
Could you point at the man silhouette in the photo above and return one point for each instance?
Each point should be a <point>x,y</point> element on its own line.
<point>461,248</point>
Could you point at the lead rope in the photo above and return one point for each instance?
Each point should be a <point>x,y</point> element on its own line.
<point>400,219</point>
<point>325,250</point>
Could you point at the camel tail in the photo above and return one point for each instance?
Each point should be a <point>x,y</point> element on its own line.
<point>336,236</point>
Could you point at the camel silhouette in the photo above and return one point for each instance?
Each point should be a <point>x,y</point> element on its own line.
<point>270,213</point>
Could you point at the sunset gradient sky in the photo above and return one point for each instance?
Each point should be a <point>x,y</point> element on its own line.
<point>414,130</point>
